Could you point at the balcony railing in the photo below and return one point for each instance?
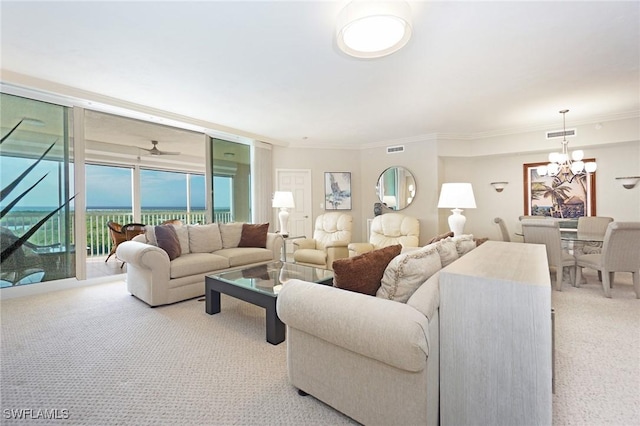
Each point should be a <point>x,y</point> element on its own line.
<point>98,240</point>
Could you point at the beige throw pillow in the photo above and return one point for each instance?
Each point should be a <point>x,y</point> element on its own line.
<point>183,236</point>
<point>447,251</point>
<point>204,238</point>
<point>408,271</point>
<point>150,235</point>
<point>464,244</point>
<point>231,234</point>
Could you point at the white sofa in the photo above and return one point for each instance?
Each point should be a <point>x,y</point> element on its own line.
<point>372,358</point>
<point>155,279</point>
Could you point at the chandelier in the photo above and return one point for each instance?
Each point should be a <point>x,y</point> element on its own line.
<point>564,166</point>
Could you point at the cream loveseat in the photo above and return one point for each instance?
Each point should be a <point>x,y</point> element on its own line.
<point>375,359</point>
<point>204,249</point>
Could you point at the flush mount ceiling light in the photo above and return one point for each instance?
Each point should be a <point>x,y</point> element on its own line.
<point>372,29</point>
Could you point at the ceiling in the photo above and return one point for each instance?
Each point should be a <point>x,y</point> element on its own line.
<point>272,70</point>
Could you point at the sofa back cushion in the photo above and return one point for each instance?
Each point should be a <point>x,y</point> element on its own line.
<point>168,240</point>
<point>254,235</point>
<point>183,236</point>
<point>204,238</point>
<point>231,234</point>
<point>150,235</point>
<point>364,272</point>
<point>408,271</point>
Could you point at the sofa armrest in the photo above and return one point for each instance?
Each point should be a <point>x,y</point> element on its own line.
<point>360,248</point>
<point>304,243</point>
<point>142,255</point>
<point>391,332</point>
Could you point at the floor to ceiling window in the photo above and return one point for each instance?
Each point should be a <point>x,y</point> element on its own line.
<point>231,181</point>
<point>35,170</point>
<point>171,195</point>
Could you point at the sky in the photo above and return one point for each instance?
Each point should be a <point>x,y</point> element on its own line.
<point>110,187</point>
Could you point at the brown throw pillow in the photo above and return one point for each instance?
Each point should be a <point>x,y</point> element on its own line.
<point>439,237</point>
<point>254,235</point>
<point>168,240</point>
<point>363,273</point>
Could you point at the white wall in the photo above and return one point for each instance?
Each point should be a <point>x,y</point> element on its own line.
<point>614,144</point>
<point>611,198</point>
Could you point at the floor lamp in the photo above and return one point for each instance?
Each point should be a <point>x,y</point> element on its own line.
<point>457,196</point>
<point>284,201</point>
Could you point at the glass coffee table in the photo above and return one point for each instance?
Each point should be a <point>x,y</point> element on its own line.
<point>260,286</point>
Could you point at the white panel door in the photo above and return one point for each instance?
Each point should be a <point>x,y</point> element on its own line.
<point>298,182</point>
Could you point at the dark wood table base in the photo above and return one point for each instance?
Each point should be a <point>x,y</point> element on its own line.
<point>275,328</point>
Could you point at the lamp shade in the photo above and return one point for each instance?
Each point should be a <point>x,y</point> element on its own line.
<point>457,196</point>
<point>283,199</point>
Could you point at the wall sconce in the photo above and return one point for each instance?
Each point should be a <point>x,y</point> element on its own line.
<point>629,181</point>
<point>499,186</point>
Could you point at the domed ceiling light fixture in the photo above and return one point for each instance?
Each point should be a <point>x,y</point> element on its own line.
<point>564,166</point>
<point>373,29</point>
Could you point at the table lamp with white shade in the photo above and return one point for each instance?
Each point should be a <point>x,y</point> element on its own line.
<point>284,201</point>
<point>457,196</point>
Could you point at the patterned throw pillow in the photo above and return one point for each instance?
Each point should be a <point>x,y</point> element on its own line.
<point>254,235</point>
<point>363,273</point>
<point>440,237</point>
<point>407,272</point>
<point>447,250</point>
<point>168,240</point>
<point>464,244</point>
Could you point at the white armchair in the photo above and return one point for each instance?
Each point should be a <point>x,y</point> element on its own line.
<point>331,236</point>
<point>387,230</point>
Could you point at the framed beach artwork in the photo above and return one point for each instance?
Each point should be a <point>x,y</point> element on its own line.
<point>558,197</point>
<point>337,190</point>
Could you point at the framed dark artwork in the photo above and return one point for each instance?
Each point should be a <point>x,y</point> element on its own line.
<point>337,190</point>
<point>558,196</point>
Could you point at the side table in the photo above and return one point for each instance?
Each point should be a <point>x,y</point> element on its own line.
<point>284,245</point>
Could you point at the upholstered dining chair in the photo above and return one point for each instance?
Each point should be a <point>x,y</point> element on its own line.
<point>620,253</point>
<point>547,232</point>
<point>116,235</point>
<point>331,236</point>
<point>593,225</point>
<point>503,229</point>
<point>389,229</point>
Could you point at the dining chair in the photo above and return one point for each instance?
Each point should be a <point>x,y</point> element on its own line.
<point>547,232</point>
<point>176,222</point>
<point>620,253</point>
<point>593,225</point>
<point>116,235</point>
<point>130,230</point>
<point>503,229</point>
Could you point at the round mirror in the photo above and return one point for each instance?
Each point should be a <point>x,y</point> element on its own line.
<point>396,188</point>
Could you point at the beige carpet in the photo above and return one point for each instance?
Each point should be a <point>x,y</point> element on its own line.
<point>109,359</point>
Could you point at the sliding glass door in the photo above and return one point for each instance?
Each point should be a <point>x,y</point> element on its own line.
<point>36,222</point>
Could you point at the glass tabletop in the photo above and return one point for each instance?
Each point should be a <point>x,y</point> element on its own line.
<point>270,277</point>
<point>581,236</point>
